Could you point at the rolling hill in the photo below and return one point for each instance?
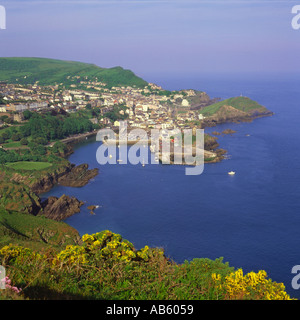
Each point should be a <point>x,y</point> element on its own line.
<point>50,72</point>
<point>234,109</point>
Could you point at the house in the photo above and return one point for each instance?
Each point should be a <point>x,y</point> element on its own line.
<point>19,117</point>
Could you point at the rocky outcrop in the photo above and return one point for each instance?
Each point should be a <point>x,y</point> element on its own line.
<point>228,113</point>
<point>68,175</point>
<point>60,208</point>
<point>78,176</point>
<point>47,180</point>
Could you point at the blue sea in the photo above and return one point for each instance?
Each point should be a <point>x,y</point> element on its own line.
<point>251,219</point>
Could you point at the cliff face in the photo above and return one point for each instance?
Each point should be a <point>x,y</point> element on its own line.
<point>20,191</point>
<point>230,114</point>
<point>60,208</point>
<point>78,176</point>
<point>236,109</point>
<point>69,176</point>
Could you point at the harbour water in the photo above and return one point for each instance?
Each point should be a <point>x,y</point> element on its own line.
<point>251,219</point>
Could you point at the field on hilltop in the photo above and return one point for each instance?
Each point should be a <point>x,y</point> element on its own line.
<point>50,72</point>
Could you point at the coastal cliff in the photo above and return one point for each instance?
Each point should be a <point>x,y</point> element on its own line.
<point>61,208</point>
<point>68,175</point>
<point>20,190</point>
<point>238,109</point>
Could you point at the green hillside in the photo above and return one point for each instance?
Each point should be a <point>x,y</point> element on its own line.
<point>35,232</point>
<point>107,267</point>
<point>240,103</point>
<point>49,72</point>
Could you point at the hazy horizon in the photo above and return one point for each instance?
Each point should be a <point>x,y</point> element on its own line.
<point>157,37</point>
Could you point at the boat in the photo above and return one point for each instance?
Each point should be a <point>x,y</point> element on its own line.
<point>231,173</point>
<point>143,164</point>
<point>110,156</point>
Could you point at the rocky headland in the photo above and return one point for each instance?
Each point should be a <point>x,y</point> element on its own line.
<point>238,109</point>
<point>60,208</point>
<point>20,191</point>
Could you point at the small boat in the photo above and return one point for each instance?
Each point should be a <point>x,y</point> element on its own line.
<point>143,164</point>
<point>231,173</point>
<point>119,160</point>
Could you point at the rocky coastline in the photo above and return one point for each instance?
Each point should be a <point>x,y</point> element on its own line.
<point>22,191</point>
<point>59,209</point>
<point>63,207</point>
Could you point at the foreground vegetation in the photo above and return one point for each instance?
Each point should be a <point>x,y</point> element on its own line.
<point>106,266</point>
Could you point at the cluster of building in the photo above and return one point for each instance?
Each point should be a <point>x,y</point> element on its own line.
<point>146,107</point>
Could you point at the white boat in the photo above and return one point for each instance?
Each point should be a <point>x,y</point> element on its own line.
<point>231,173</point>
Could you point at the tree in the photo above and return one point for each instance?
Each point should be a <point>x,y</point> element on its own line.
<point>27,114</point>
<point>16,137</point>
<point>24,142</point>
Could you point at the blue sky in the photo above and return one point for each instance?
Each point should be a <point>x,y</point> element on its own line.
<point>180,37</point>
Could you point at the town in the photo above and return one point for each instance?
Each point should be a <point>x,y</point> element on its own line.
<point>148,107</point>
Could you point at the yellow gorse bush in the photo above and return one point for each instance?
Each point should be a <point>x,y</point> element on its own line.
<point>71,255</point>
<point>102,245</point>
<point>19,253</point>
<point>252,285</point>
<point>107,249</point>
<point>110,245</point>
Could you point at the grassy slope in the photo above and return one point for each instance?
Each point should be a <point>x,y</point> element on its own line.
<point>49,71</point>
<point>35,232</point>
<point>240,103</point>
<point>29,165</point>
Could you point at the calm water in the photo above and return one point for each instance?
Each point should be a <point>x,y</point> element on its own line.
<point>251,219</point>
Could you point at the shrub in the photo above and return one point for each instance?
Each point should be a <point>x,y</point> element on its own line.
<point>106,266</point>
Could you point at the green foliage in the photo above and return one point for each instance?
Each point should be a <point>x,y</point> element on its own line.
<point>241,103</point>
<point>24,142</point>
<point>46,127</point>
<point>34,232</point>
<point>29,165</point>
<point>106,266</point>
<point>115,115</point>
<point>1,99</point>
<point>49,72</point>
